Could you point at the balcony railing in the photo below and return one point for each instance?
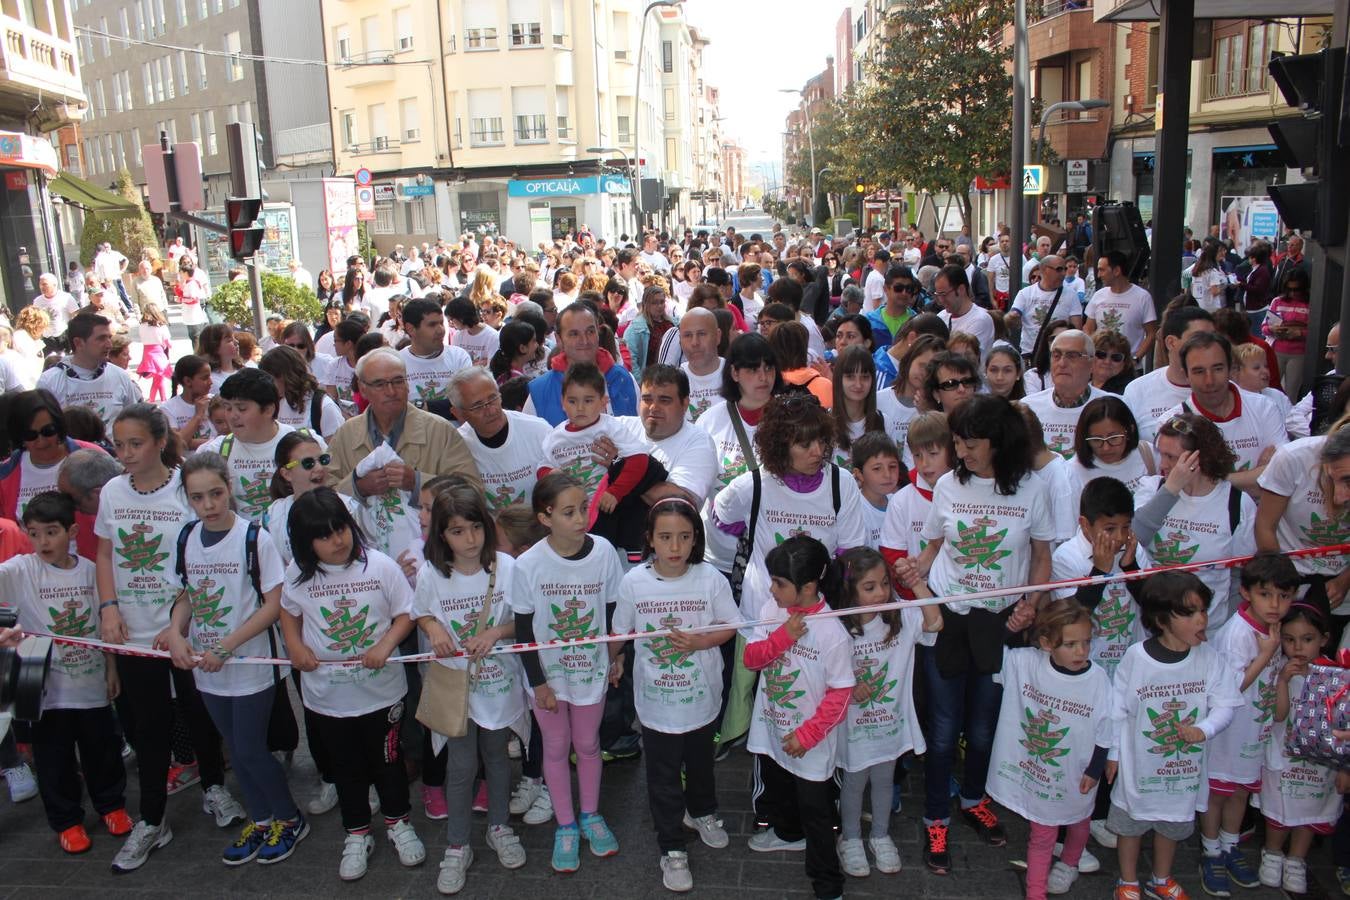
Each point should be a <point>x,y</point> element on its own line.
<point>1044,9</point>
<point>372,58</point>
<point>374,145</point>
<point>1247,82</point>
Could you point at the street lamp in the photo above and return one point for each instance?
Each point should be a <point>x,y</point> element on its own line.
<point>637,98</point>
<point>632,181</point>
<point>810,147</point>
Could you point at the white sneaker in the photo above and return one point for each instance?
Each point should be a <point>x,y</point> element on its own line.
<point>1272,868</point>
<point>22,784</point>
<point>323,801</point>
<point>404,837</point>
<point>502,840</point>
<point>886,854</point>
<point>1295,879</point>
<point>454,868</point>
<point>1061,879</point>
<point>356,850</point>
<point>1104,836</point>
<point>767,841</point>
<point>853,858</point>
<point>675,874</point>
<point>523,797</point>
<point>373,798</point>
<point>144,839</point>
<point>218,802</point>
<point>709,829</point>
<point>1087,863</point>
<point>541,810</point>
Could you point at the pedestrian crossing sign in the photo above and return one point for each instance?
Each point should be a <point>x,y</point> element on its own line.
<point>1033,180</point>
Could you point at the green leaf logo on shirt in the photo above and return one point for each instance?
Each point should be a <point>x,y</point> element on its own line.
<point>1166,733</point>
<point>1063,445</point>
<point>1265,702</point>
<point>1110,320</point>
<point>1326,532</point>
<point>731,467</point>
<point>569,624</point>
<point>1040,739</point>
<point>796,532</point>
<point>504,497</point>
<point>430,390</point>
<point>469,627</point>
<point>699,408</point>
<point>348,633</point>
<point>255,493</point>
<point>778,684</point>
<point>585,471</point>
<point>141,554</point>
<point>875,679</point>
<point>1170,552</point>
<point>979,548</point>
<point>664,653</point>
<point>1114,618</point>
<point>206,608</point>
<point>76,620</point>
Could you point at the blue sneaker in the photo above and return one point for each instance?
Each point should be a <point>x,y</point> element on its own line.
<point>566,849</point>
<point>1214,876</point>
<point>247,846</point>
<point>594,830</point>
<point>281,840</point>
<point>1239,872</point>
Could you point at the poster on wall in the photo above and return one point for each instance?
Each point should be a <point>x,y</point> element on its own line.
<point>339,199</point>
<point>1245,220</point>
<point>275,252</point>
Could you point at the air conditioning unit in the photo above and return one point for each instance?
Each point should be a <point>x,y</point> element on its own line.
<point>412,134</point>
<point>620,54</point>
<point>405,43</point>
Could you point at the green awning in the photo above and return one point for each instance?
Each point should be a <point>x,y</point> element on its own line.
<point>90,196</point>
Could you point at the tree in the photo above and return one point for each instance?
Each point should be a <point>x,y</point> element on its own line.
<point>937,111</point>
<point>234,304</point>
<point>129,234</point>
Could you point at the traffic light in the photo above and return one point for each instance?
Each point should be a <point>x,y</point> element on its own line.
<point>1312,83</point>
<point>246,234</point>
<point>860,188</point>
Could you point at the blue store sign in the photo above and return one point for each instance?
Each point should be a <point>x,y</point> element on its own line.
<point>567,187</point>
<point>418,190</point>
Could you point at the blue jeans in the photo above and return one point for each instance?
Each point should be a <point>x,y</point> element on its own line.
<point>966,703</point>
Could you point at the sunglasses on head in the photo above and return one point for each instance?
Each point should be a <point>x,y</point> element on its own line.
<point>48,430</point>
<point>1114,357</point>
<point>309,462</point>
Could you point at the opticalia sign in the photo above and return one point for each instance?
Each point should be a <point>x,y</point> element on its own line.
<point>567,187</point>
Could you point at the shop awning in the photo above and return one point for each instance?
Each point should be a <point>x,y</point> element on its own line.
<point>90,196</point>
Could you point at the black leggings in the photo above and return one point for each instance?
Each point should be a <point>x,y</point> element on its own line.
<point>365,751</point>
<point>323,760</point>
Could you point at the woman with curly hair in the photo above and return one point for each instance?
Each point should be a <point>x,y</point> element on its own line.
<point>30,327</point>
<point>299,391</point>
<point>1189,511</point>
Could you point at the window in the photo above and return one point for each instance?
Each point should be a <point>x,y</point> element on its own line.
<point>1151,92</point>
<point>668,57</point>
<point>1241,52</point>
<point>342,42</point>
<point>379,127</point>
<point>166,71</point>
<point>158,80</point>
<point>121,151</point>
<point>182,13</point>
<point>526,27</point>
<point>485,117</point>
<point>410,120</point>
<point>125,27</point>
<point>403,29</point>
<point>107,44</point>
<point>182,72</point>
<point>100,100</point>
<point>558,21</point>
<point>480,25</point>
<point>563,106</point>
<point>526,34</point>
<point>148,84</point>
<point>195,120</point>
<point>136,144</point>
<point>161,19</point>
<point>370,35</point>
<point>530,113</point>
<point>211,148</point>
<point>347,118</point>
<point>234,66</point>
<point>384,219</point>
<point>202,10</point>
<point>669,104</point>
<point>619,35</point>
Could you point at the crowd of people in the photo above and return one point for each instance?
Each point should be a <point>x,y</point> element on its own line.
<point>767,449</point>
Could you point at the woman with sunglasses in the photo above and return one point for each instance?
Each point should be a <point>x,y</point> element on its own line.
<point>1286,326</point>
<point>1112,364</point>
<point>37,433</point>
<point>953,379</point>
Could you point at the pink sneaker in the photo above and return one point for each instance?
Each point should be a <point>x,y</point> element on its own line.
<point>480,800</point>
<point>433,802</point>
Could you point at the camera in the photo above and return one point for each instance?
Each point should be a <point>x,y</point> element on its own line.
<point>23,672</point>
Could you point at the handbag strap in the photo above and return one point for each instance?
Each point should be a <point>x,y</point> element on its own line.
<point>483,612</point>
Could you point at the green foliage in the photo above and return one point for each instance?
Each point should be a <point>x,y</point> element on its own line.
<point>233,303</point>
<point>127,234</point>
<point>364,245</point>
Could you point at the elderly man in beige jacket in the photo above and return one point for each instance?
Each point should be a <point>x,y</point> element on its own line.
<point>426,444</point>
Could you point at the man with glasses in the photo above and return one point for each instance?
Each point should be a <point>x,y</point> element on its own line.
<point>427,445</point>
<point>900,287</point>
<point>874,285</point>
<point>951,288</point>
<point>1120,305</point>
<point>1060,405</point>
<point>506,445</point>
<point>1031,309</point>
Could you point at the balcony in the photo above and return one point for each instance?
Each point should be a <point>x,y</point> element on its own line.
<point>1253,81</point>
<point>373,146</point>
<point>363,69</point>
<point>1083,137</point>
<point>1061,26</point>
<point>38,64</point>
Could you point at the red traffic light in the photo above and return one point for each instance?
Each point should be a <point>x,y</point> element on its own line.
<point>241,212</point>
<point>244,242</point>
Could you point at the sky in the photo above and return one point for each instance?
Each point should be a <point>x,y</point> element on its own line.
<point>755,49</point>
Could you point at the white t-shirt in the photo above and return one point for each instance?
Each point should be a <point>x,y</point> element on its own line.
<point>874,519</point>
<point>180,412</point>
<point>1059,424</point>
<point>905,515</point>
<point>792,687</point>
<point>1126,313</point>
<point>253,466</point>
<point>1237,753</point>
<point>1115,620</point>
<point>278,514</point>
<point>568,598</point>
<point>674,692</point>
<point>731,463</point>
<point>1294,792</point>
<point>1253,425</point>
<point>33,480</point>
<point>429,378</point>
<point>497,692</point>
<point>1129,472</point>
<point>106,390</point>
<point>976,321</point>
<point>898,415</point>
<point>815,341</point>
<point>143,530</point>
<point>338,374</point>
<point>1203,285</point>
<point>1149,396</point>
<point>61,602</point>
<point>1034,305</point>
<point>376,300</point>
<point>510,471</point>
<point>1162,778</point>
<point>1295,472</point>
<point>60,307</point>
<point>885,725</point>
<point>480,347</point>
<point>689,455</point>
<point>570,451</point>
<point>874,289</point>
<point>1049,725</point>
<point>221,596</point>
<point>998,266</point>
<point>1196,529</point>
<point>330,418</point>
<point>986,537</point>
<point>1059,488</point>
<point>704,390</point>
<point>345,611</point>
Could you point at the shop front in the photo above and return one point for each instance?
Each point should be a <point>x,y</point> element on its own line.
<point>29,238</point>
<point>540,210</point>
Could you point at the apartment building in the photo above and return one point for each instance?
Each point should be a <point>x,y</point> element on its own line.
<point>816,94</point>
<point>40,93</point>
<point>734,175</point>
<point>522,117</point>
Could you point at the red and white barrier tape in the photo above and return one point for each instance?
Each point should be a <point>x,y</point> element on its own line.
<point>1226,563</point>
